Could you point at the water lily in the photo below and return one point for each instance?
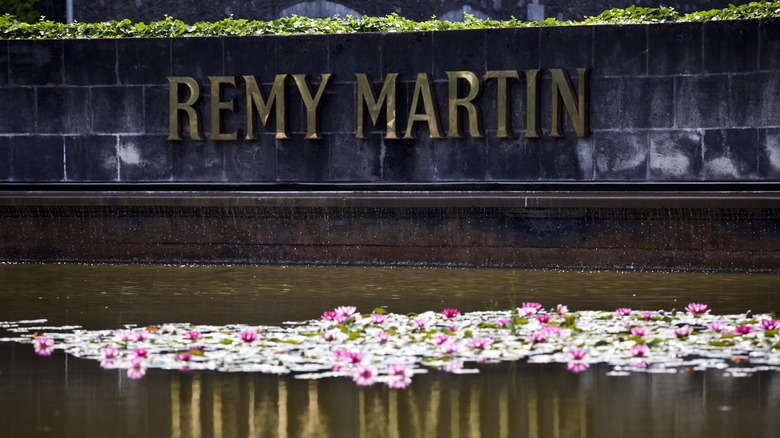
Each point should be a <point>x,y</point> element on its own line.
<point>639,364</point>
<point>770,324</point>
<point>110,353</point>
<point>743,329</point>
<point>576,367</point>
<point>450,347</point>
<point>697,308</point>
<point>137,368</point>
<point>141,352</point>
<point>440,339</point>
<point>578,354</point>
<point>183,357</point>
<point>352,357</point>
<point>126,336</point>
<point>639,331</point>
<point>716,326</point>
<point>536,338</point>
<point>420,323</point>
<point>529,309</point>
<point>329,315</point>
<point>502,322</point>
<point>140,335</point>
<point>346,310</point>
<point>543,319</point>
<point>551,330</point>
<point>364,375</point>
<point>682,332</point>
<point>192,335</point>
<point>453,366</point>
<point>561,309</point>
<point>332,335</point>
<point>44,346</point>
<point>480,343</point>
<point>638,350</point>
<point>248,335</point>
<point>623,311</point>
<point>340,319</point>
<point>400,376</point>
<point>378,318</point>
<point>646,315</point>
<point>450,313</point>
<point>382,337</point>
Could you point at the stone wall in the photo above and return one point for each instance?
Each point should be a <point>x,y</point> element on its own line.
<point>689,102</point>
<point>197,10</point>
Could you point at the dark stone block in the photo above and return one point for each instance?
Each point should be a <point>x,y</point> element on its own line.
<point>459,159</point>
<point>197,57</point>
<point>568,47</point>
<point>100,57</point>
<point>144,61</point>
<point>675,155</point>
<point>674,48</point>
<point>355,160</point>
<point>621,156</point>
<point>565,158</point>
<point>755,99</point>
<point>251,56</point>
<point>3,62</point>
<point>302,160</point>
<point>702,101</point>
<point>250,160</point>
<point>36,158</point>
<point>730,154</point>
<point>355,53</point>
<point>512,159</point>
<point>64,110</point>
<point>145,158</point>
<point>197,161</point>
<point>91,158</point>
<point>337,112</point>
<point>620,50</point>
<point>769,153</point>
<point>5,159</point>
<point>458,50</point>
<point>156,112</point>
<point>301,54</point>
<point>769,44</point>
<point>35,62</point>
<point>118,110</point>
<point>606,102</point>
<point>511,49</point>
<point>730,46</point>
<point>648,102</point>
<point>408,160</point>
<point>407,53</point>
<point>17,114</point>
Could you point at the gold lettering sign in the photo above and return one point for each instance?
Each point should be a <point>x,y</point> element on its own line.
<point>464,95</point>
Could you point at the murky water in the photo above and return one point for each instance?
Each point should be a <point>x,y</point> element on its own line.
<point>64,396</point>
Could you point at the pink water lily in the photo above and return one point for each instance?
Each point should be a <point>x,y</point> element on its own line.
<point>110,353</point>
<point>697,308</point>
<point>378,318</point>
<point>141,352</point>
<point>646,315</point>
<point>717,326</point>
<point>561,309</point>
<point>639,350</point>
<point>537,337</point>
<point>352,357</point>
<point>576,367</point>
<point>639,331</point>
<point>400,376</point>
<point>346,310</point>
<point>382,337</point>
<point>140,335</point>
<point>126,336</point>
<point>44,346</point>
<point>450,313</point>
<point>770,324</point>
<point>502,322</point>
<point>331,335</point>
<point>137,368</point>
<point>440,339</point>
<point>450,347</point>
<point>639,364</point>
<point>529,309</point>
<point>480,343</point>
<point>329,315</point>
<point>420,323</point>
<point>248,335</point>
<point>340,319</point>
<point>543,319</point>
<point>682,332</point>
<point>453,366</point>
<point>192,335</point>
<point>623,311</point>
<point>183,357</point>
<point>551,330</point>
<point>578,354</point>
<point>364,375</point>
<point>743,329</point>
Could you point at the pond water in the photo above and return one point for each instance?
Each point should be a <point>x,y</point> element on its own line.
<point>65,396</point>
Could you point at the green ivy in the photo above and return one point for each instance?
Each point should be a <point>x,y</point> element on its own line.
<point>12,27</point>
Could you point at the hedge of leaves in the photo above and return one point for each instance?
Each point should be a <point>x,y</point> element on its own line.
<point>10,27</point>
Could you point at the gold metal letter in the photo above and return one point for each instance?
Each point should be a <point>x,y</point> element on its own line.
<point>387,97</point>
<point>504,109</point>
<point>563,94</point>
<point>217,106</point>
<point>474,112</point>
<point>423,88</point>
<point>533,107</point>
<point>174,106</point>
<point>254,99</point>
<point>311,103</point>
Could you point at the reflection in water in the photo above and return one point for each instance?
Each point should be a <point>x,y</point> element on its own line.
<point>69,397</point>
